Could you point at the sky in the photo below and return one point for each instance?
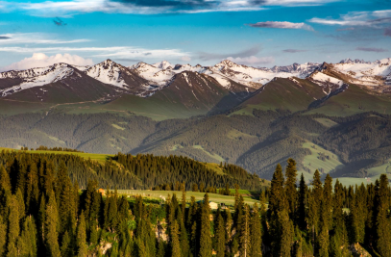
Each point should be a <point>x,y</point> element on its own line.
<point>259,33</point>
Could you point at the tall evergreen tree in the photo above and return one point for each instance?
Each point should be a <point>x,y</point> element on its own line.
<point>301,212</point>
<point>290,187</point>
<point>13,226</point>
<point>256,233</point>
<point>175,244</point>
<point>205,240</point>
<point>244,240</point>
<point>220,236</point>
<point>383,228</point>
<point>51,227</point>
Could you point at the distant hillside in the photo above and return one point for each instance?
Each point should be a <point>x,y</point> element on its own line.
<point>334,117</point>
<point>136,172</point>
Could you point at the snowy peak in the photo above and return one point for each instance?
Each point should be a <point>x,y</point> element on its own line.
<point>108,72</point>
<point>162,65</point>
<point>37,77</point>
<point>329,84</point>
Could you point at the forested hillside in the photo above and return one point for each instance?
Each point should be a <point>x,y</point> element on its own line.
<point>354,146</point>
<point>42,213</point>
<point>126,171</point>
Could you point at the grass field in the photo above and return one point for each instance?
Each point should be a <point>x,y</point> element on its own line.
<point>226,199</point>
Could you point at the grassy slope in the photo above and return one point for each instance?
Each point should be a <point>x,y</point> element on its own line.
<point>283,94</point>
<point>312,161</point>
<point>353,101</point>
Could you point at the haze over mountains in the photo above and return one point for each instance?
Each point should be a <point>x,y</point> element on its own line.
<point>331,116</point>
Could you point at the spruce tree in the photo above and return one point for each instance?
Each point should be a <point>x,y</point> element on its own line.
<point>323,238</point>
<point>5,181</point>
<point>13,226</point>
<point>175,244</point>
<point>244,239</point>
<point>205,240</point>
<point>81,238</point>
<point>301,212</point>
<point>256,233</point>
<point>51,227</point>
<point>290,187</point>
<point>383,228</point>
<point>220,236</point>
<point>3,236</point>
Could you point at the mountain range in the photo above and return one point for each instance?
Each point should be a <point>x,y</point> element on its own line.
<point>328,116</point>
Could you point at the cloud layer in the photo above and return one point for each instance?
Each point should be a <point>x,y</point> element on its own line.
<point>34,38</point>
<point>242,54</point>
<point>281,25</point>
<point>120,52</point>
<point>69,8</point>
<point>42,60</point>
<point>371,49</point>
<point>375,19</point>
<point>252,60</point>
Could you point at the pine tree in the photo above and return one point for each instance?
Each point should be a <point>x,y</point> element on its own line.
<point>277,196</point>
<point>3,236</point>
<point>51,227</point>
<point>286,240</point>
<point>13,226</point>
<point>301,212</point>
<point>175,245</point>
<point>383,228</point>
<point>244,240</point>
<point>205,240</point>
<point>66,246</point>
<point>5,181</point>
<point>81,238</point>
<point>29,238</point>
<point>290,186</point>
<point>256,233</point>
<point>220,236</point>
<point>323,239</point>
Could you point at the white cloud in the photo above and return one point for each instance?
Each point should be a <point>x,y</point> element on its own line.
<point>35,38</point>
<point>252,60</point>
<point>42,60</point>
<point>69,8</point>
<point>298,2</point>
<point>121,52</point>
<point>281,25</point>
<point>374,19</point>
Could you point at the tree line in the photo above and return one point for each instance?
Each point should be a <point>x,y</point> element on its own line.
<point>133,171</point>
<point>44,213</point>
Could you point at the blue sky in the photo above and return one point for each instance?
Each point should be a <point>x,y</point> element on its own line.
<point>253,32</point>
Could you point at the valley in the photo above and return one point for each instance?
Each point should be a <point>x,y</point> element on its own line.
<point>320,114</point>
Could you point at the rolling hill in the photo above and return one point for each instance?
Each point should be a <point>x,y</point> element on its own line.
<point>331,117</point>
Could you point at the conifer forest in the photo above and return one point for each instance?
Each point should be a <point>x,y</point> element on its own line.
<point>52,205</point>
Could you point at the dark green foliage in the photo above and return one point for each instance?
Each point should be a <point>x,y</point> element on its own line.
<point>51,217</point>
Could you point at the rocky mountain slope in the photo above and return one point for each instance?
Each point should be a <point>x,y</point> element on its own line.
<point>332,117</point>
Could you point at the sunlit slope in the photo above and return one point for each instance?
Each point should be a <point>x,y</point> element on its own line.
<point>283,94</point>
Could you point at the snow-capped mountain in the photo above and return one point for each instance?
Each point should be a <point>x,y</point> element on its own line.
<point>112,73</point>
<point>364,73</point>
<point>328,83</point>
<point>35,77</point>
<point>144,79</point>
<point>254,77</point>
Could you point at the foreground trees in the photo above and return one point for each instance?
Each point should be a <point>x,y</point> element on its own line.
<point>42,213</point>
